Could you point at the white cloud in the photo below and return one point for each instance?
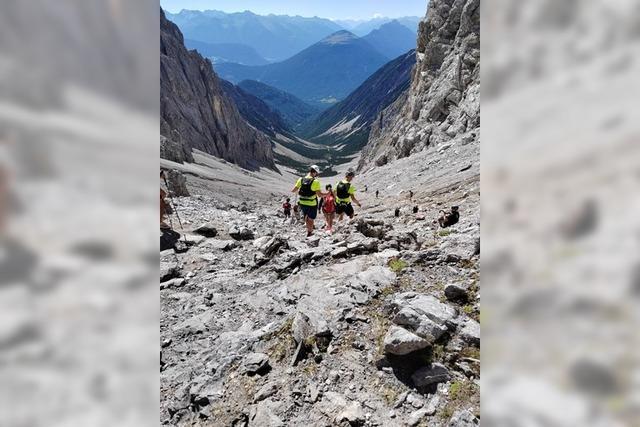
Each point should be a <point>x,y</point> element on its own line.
<point>377,15</point>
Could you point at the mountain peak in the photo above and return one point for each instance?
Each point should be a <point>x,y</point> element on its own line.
<point>339,37</point>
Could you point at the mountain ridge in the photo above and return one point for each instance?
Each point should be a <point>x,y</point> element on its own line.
<point>311,74</point>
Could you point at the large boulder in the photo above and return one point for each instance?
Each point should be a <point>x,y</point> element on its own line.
<point>424,315</point>
<point>433,374</point>
<point>177,183</point>
<point>241,233</point>
<point>399,341</point>
<point>206,230</point>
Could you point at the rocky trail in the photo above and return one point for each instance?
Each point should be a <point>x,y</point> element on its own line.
<point>376,324</point>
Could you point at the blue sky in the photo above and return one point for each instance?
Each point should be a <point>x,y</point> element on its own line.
<point>334,9</point>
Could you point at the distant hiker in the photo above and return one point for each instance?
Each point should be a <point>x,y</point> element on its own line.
<point>415,209</point>
<point>345,193</point>
<point>286,208</point>
<point>449,218</point>
<point>366,188</point>
<point>376,194</point>
<point>309,189</point>
<point>397,212</point>
<point>328,203</point>
<point>410,194</point>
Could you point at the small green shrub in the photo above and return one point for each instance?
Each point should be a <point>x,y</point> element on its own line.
<point>397,265</point>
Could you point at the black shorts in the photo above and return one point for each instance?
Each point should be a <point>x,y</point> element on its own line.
<point>310,211</point>
<point>345,208</point>
<point>287,212</point>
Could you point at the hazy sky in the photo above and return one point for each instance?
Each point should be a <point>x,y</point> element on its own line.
<point>334,9</point>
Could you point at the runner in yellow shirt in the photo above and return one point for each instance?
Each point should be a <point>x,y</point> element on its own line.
<point>345,193</point>
<point>309,189</point>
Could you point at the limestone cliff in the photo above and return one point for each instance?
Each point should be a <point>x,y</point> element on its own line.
<point>443,102</point>
<point>196,112</point>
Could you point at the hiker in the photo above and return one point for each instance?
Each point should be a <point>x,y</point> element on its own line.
<point>309,189</point>
<point>410,195</point>
<point>366,187</point>
<point>328,203</point>
<point>286,208</point>
<point>448,218</point>
<point>415,209</point>
<point>345,193</point>
<point>376,194</point>
<point>397,212</point>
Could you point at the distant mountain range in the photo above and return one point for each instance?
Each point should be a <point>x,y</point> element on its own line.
<point>293,110</point>
<point>364,27</point>
<point>321,75</point>
<point>274,37</point>
<point>227,52</point>
<point>392,39</point>
<point>347,124</point>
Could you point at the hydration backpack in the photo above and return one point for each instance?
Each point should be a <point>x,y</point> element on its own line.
<point>329,204</point>
<point>305,188</point>
<point>342,190</point>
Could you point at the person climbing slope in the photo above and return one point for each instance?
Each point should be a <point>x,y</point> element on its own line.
<point>345,193</point>
<point>309,189</point>
<point>328,203</point>
<point>286,208</point>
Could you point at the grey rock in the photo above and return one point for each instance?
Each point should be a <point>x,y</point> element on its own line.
<point>177,183</point>
<point>175,149</point>
<point>399,341</point>
<point>168,270</point>
<point>241,233</point>
<point>470,332</point>
<point>267,390</point>
<point>197,324</point>
<point>463,418</point>
<point>401,399</point>
<point>436,373</point>
<point>255,362</point>
<point>222,245</point>
<point>415,417</point>
<point>339,252</point>
<point>456,292</point>
<point>428,306</point>
<point>352,413</point>
<point>206,230</point>
<point>420,324</point>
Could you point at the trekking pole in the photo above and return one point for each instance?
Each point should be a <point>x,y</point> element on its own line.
<point>173,206</point>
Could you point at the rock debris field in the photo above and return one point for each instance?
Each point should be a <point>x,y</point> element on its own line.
<point>375,325</point>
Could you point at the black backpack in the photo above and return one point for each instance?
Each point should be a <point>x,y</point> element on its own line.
<point>342,190</point>
<point>305,187</point>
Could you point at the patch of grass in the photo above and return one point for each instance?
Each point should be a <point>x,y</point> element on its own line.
<point>471,352</point>
<point>468,309</point>
<point>461,394</point>
<point>397,265</point>
<point>444,233</point>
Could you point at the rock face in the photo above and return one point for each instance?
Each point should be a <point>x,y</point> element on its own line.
<point>196,112</point>
<point>443,103</point>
